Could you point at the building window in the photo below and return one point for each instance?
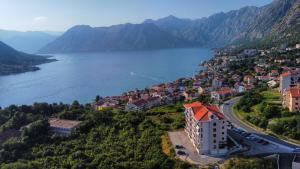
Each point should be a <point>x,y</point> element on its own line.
<point>214,124</point>
<point>214,135</point>
<point>215,147</point>
<point>223,138</point>
<point>222,127</point>
<point>222,132</point>
<point>214,129</point>
<point>215,141</point>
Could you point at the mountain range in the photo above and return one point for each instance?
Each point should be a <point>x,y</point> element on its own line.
<point>243,25</point>
<point>30,41</point>
<point>13,61</point>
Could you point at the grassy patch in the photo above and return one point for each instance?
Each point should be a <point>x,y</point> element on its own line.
<point>167,118</point>
<point>271,96</point>
<point>166,145</point>
<point>283,125</point>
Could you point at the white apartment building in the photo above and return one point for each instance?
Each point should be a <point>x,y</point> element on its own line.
<point>288,79</point>
<point>206,128</point>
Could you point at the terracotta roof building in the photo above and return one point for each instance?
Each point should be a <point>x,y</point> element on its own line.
<point>222,94</point>
<point>206,128</point>
<point>291,99</point>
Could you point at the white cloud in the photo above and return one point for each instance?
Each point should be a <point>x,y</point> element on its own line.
<point>40,19</point>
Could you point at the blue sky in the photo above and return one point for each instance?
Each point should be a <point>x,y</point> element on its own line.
<point>59,15</point>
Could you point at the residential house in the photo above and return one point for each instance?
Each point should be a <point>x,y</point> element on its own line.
<point>190,95</point>
<point>259,70</point>
<point>201,90</point>
<point>291,99</point>
<point>217,82</point>
<point>272,83</point>
<point>250,52</point>
<point>142,104</point>
<point>273,73</point>
<point>153,102</point>
<point>222,94</point>
<point>249,79</point>
<point>263,78</point>
<point>63,127</point>
<point>136,105</point>
<point>236,77</point>
<point>282,60</point>
<point>239,88</point>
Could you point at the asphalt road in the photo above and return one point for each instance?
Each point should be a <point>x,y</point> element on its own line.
<point>283,148</point>
<point>228,112</point>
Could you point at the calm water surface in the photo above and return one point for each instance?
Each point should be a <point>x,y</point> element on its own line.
<point>83,76</point>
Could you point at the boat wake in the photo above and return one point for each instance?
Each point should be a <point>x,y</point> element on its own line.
<point>156,79</point>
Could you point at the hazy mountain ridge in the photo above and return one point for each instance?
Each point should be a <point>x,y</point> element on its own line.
<point>13,61</point>
<point>246,24</point>
<point>113,38</point>
<point>30,41</point>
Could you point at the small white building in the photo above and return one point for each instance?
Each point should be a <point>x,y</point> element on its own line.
<point>206,127</point>
<point>272,83</point>
<point>250,52</point>
<point>63,127</point>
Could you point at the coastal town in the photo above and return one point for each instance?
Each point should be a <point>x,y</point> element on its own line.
<point>220,79</point>
<point>228,75</point>
<point>211,133</point>
<point>150,84</point>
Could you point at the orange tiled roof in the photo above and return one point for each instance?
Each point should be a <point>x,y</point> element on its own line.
<point>285,74</point>
<point>295,92</point>
<point>290,72</point>
<point>224,90</point>
<point>203,112</point>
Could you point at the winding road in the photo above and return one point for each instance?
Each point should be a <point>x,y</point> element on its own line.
<point>282,148</point>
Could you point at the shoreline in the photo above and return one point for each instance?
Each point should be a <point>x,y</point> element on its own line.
<point>19,69</point>
<point>198,69</point>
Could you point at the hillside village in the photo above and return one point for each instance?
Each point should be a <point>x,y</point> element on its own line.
<point>224,76</point>
<point>228,75</point>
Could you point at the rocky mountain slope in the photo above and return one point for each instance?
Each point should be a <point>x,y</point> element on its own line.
<point>243,25</point>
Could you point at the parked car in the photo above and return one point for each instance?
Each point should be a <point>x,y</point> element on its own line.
<point>261,141</point>
<point>245,134</point>
<point>265,143</point>
<point>296,150</point>
<point>255,139</point>
<point>179,147</point>
<point>181,152</point>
